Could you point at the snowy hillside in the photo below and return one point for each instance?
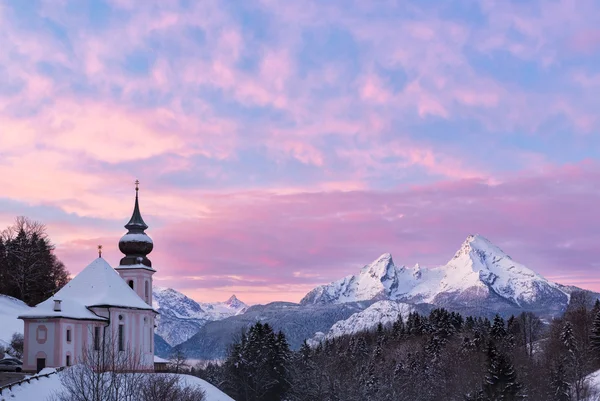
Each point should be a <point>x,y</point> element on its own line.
<point>10,308</point>
<point>479,274</point>
<point>181,317</point>
<point>48,386</point>
<point>384,312</point>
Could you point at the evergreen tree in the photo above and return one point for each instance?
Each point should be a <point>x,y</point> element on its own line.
<point>257,367</point>
<point>371,383</point>
<point>498,331</point>
<point>559,385</point>
<point>501,380</point>
<point>568,339</point>
<point>398,328</point>
<point>29,270</point>
<point>595,336</point>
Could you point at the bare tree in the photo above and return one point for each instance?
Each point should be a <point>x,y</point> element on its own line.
<point>177,361</point>
<point>106,374</point>
<point>112,375</point>
<point>16,345</point>
<point>162,387</point>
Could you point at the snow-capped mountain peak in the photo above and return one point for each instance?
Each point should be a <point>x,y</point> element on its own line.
<point>235,303</point>
<point>479,248</point>
<point>478,271</point>
<point>181,317</point>
<point>381,269</point>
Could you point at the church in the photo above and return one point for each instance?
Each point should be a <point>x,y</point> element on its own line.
<point>97,304</point>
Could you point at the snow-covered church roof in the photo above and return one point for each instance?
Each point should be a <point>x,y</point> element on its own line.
<point>98,285</point>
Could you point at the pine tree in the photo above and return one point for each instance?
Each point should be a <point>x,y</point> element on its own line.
<point>501,380</point>
<point>398,328</point>
<point>370,382</point>
<point>568,339</point>
<point>257,367</point>
<point>498,331</point>
<point>559,385</point>
<point>595,336</point>
<point>29,270</point>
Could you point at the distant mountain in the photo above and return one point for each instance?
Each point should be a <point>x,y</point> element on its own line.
<point>384,312</point>
<point>181,317</point>
<point>480,278</point>
<point>222,310</point>
<point>161,347</point>
<point>298,322</point>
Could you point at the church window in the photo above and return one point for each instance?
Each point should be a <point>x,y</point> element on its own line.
<point>121,338</point>
<point>146,290</point>
<point>96,338</point>
<point>41,334</point>
<point>68,360</point>
<point>131,284</point>
<point>68,335</point>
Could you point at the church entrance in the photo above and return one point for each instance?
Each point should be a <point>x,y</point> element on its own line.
<point>41,364</point>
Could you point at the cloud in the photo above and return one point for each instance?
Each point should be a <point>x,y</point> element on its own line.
<point>257,239</point>
<point>332,131</point>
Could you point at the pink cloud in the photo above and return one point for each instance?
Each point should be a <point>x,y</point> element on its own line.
<point>586,41</point>
<point>253,240</point>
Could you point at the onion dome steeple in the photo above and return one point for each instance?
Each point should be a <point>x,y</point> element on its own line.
<point>136,244</point>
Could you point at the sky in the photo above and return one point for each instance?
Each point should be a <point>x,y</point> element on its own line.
<point>285,144</point>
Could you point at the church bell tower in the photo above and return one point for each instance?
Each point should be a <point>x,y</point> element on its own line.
<point>135,268</point>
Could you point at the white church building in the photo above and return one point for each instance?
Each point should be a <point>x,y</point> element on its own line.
<point>97,304</point>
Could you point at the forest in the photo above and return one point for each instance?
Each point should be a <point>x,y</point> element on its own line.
<point>442,356</point>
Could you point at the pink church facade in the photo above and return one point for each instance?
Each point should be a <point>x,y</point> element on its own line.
<point>101,303</point>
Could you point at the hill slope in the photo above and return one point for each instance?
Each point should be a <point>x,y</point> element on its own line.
<point>298,322</point>
<point>10,308</point>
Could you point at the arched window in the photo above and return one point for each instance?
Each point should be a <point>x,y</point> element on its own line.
<point>131,284</point>
<point>146,290</point>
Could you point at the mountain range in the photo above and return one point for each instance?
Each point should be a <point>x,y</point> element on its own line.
<point>181,317</point>
<point>479,277</point>
<point>479,280</point>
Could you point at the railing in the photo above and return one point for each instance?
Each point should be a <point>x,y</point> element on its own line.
<point>28,380</point>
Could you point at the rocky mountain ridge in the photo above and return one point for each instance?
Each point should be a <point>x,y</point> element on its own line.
<point>479,275</point>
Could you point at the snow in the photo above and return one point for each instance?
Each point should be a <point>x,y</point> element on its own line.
<point>97,285</point>
<point>222,310</point>
<point>10,309</point>
<point>158,359</point>
<point>46,386</point>
<point>384,312</point>
<point>181,317</point>
<point>129,237</point>
<point>593,383</point>
<point>185,307</point>
<point>136,266</point>
<point>477,268</point>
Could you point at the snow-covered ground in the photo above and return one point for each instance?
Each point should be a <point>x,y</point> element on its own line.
<point>40,390</point>
<point>593,386</point>
<point>10,308</point>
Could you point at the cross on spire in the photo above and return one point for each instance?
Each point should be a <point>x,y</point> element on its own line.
<point>99,251</point>
<point>137,185</point>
